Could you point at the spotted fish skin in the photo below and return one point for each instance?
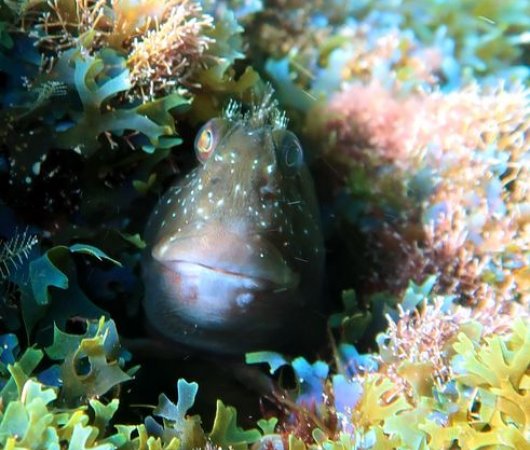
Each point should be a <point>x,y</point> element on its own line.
<point>234,255</point>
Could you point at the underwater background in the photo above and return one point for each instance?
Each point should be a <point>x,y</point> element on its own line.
<point>414,117</point>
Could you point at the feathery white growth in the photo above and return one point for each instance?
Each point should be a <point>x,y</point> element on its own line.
<point>14,251</point>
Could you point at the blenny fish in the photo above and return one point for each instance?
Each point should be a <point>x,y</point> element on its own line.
<point>234,255</point>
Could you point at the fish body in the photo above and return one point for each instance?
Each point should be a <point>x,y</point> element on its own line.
<point>234,255</point>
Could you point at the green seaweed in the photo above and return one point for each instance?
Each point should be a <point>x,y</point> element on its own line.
<point>151,119</point>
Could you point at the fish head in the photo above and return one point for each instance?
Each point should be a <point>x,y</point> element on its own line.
<point>236,247</point>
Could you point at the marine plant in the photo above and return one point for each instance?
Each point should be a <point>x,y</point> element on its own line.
<point>71,404</point>
<point>451,187</point>
<point>100,76</point>
<point>445,376</point>
<point>399,397</point>
<point>422,112</point>
<point>487,38</point>
<point>401,44</point>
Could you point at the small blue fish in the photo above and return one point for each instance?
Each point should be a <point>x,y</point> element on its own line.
<point>234,257</point>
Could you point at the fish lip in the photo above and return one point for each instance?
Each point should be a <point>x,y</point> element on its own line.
<point>262,283</point>
<point>246,256</point>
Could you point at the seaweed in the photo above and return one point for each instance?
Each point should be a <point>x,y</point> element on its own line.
<point>416,117</point>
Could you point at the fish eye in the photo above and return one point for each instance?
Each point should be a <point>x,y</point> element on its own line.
<point>293,154</point>
<point>289,150</point>
<point>208,137</point>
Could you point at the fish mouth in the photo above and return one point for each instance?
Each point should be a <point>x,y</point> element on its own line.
<point>245,280</point>
<point>250,259</point>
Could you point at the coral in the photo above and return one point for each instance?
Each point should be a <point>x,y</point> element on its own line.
<point>33,413</point>
<point>346,44</point>
<point>370,410</point>
<point>494,373</point>
<point>220,83</point>
<point>390,56</point>
<point>147,49</point>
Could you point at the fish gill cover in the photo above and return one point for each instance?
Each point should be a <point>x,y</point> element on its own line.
<point>414,116</point>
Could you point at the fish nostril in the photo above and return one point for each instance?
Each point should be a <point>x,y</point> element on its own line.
<point>267,192</point>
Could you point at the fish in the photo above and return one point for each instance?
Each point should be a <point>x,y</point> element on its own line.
<point>234,251</point>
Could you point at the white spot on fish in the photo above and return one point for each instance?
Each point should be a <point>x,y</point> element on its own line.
<point>244,299</point>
